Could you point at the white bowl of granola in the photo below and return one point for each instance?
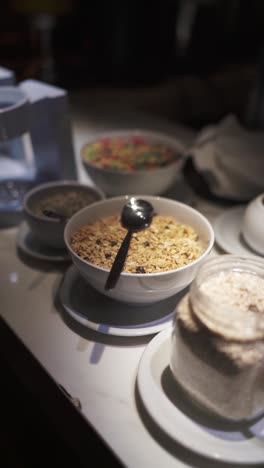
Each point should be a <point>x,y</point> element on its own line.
<point>162,260</point>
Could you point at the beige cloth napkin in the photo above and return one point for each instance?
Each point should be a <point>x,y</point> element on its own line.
<point>231,159</point>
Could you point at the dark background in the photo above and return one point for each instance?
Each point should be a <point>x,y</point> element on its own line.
<point>208,53</point>
<point>194,61</point>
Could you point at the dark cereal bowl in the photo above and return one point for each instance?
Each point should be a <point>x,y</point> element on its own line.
<point>61,197</point>
<point>162,260</point>
<point>133,161</point>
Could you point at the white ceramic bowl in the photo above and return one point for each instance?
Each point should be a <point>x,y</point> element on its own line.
<point>153,181</point>
<point>253,224</point>
<point>48,230</point>
<point>140,289</point>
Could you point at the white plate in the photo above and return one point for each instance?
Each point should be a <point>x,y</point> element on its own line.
<point>184,421</point>
<point>30,246</point>
<point>227,228</point>
<point>105,315</point>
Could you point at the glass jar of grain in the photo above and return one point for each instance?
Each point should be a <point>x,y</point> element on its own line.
<point>217,348</point>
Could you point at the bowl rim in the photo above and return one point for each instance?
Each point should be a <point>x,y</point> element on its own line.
<point>59,183</point>
<point>149,198</point>
<point>168,139</point>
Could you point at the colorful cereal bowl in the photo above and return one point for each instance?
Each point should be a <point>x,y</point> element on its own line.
<point>131,161</point>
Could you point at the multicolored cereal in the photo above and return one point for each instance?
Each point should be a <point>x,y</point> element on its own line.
<point>128,154</point>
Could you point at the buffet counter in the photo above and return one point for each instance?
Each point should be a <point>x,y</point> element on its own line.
<point>98,368</point>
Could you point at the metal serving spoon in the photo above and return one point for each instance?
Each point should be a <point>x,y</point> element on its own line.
<point>136,215</point>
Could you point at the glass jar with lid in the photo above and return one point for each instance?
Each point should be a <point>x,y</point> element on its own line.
<point>217,348</point>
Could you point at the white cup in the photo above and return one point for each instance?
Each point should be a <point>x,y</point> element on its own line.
<point>253,224</point>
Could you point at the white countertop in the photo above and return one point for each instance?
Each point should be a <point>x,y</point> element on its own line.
<point>98,369</point>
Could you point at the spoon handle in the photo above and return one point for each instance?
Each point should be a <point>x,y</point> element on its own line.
<point>118,262</point>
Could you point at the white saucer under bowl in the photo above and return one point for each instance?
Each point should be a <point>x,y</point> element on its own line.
<point>184,421</point>
<point>30,246</point>
<point>105,315</point>
<point>227,228</point>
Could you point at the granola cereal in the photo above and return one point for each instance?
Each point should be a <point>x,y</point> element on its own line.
<point>165,245</point>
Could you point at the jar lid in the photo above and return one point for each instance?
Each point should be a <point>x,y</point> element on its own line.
<point>227,296</point>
